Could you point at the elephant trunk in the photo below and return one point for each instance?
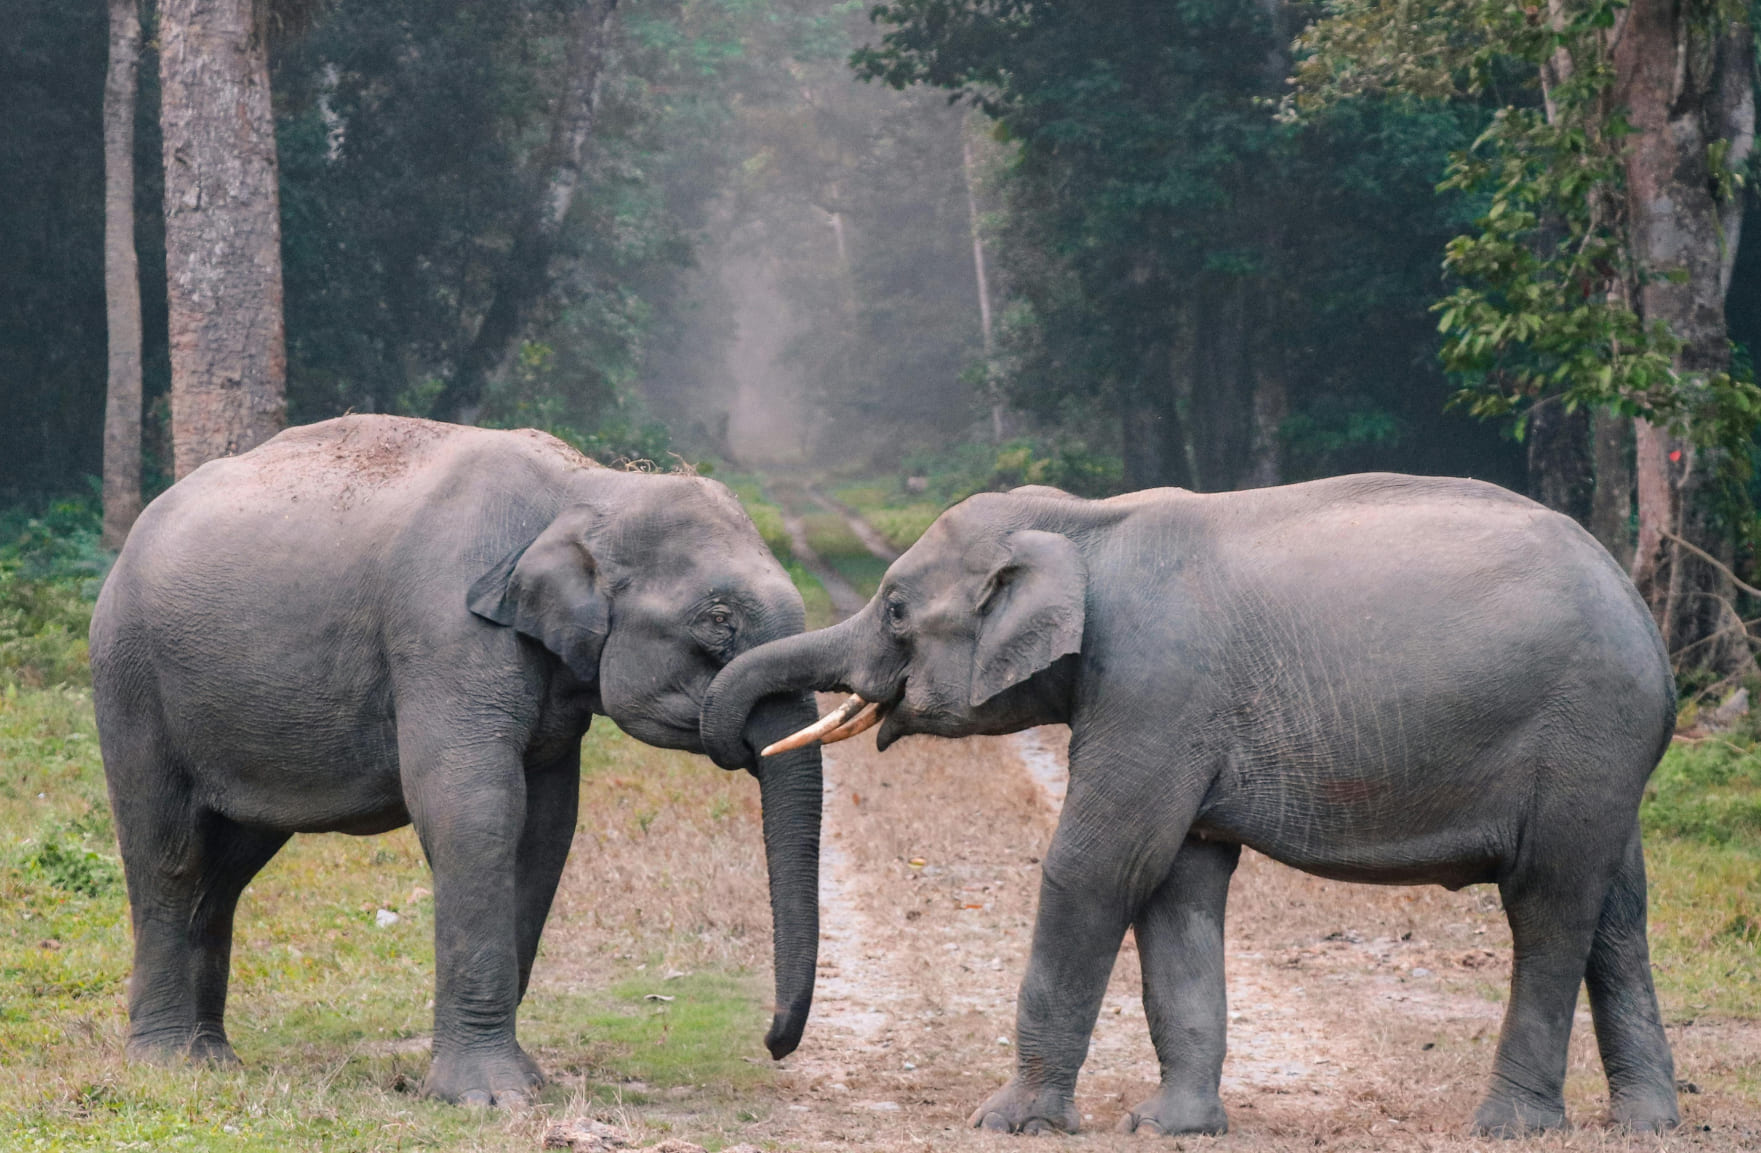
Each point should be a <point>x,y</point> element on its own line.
<point>758,700</point>
<point>791,790</point>
<point>793,665</point>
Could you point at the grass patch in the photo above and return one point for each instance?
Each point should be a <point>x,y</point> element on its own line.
<point>830,536</point>
<point>327,1008</point>
<point>767,516</point>
<point>697,1035</point>
<point>1708,792</point>
<point>1702,823</point>
<point>50,568</point>
<point>897,515</point>
<point>1705,927</point>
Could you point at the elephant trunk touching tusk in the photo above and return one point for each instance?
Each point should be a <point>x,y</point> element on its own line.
<point>837,725</point>
<point>869,717</point>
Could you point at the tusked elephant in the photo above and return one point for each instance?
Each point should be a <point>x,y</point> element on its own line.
<point>1391,679</point>
<point>375,621</point>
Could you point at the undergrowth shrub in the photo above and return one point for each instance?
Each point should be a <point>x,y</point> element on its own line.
<point>63,858</point>
<point>1709,791</point>
<point>51,565</point>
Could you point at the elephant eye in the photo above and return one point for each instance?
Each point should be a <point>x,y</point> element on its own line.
<point>895,612</point>
<point>719,615</point>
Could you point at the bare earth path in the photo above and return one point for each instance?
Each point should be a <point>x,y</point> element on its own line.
<point>1361,1018</point>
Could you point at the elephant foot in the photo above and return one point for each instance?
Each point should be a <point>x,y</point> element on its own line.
<point>1510,1117</point>
<point>479,1080</point>
<point>203,1045</point>
<point>1018,1108</point>
<point>1175,1112</point>
<point>1646,1111</point>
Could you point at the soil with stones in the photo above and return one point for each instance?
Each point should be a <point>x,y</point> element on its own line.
<point>1361,1017</point>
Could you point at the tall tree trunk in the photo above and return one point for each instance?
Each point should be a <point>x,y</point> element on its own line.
<point>1611,502</point>
<point>1560,474</point>
<point>1269,380</point>
<point>122,284</point>
<point>993,387</point>
<point>1685,82</point>
<point>222,229</point>
<point>525,274</point>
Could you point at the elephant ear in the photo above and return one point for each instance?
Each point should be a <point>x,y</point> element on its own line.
<point>1030,613</point>
<point>551,590</point>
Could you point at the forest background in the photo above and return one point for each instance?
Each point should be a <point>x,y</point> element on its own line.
<point>942,245</point>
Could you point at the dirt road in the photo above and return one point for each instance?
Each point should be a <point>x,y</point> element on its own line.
<point>1359,1017</point>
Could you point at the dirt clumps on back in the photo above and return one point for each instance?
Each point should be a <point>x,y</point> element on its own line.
<point>346,460</point>
<point>561,449</point>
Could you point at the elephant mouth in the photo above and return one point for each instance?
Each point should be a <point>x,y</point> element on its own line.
<point>854,716</point>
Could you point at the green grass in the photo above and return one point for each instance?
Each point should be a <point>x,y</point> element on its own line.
<point>1702,822</point>
<point>829,535</point>
<point>768,518</point>
<point>1708,791</point>
<point>320,994</point>
<point>898,516</point>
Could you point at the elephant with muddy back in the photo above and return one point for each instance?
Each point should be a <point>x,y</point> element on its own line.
<point>1388,679</point>
<point>375,621</point>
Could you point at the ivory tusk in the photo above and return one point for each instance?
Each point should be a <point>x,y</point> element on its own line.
<point>832,720</point>
<point>860,723</point>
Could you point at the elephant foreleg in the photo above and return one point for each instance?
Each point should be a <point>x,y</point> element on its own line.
<point>553,796</point>
<point>1106,860</point>
<point>467,799</point>
<point>1180,945</point>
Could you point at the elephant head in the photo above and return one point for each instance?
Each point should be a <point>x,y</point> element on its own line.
<point>968,633</point>
<point>643,588</point>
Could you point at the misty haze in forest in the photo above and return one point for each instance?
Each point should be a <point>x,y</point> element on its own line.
<point>935,248</point>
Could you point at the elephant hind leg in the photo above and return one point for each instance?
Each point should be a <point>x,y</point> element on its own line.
<point>1180,945</point>
<point>1623,1003</point>
<point>185,869</point>
<point>1553,906</point>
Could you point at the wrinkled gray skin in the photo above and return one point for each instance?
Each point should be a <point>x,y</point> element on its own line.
<point>1378,678</point>
<point>376,621</point>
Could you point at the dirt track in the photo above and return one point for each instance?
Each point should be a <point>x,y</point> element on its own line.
<point>1360,1017</point>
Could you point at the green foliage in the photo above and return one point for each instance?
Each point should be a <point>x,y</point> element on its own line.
<point>902,526</point>
<point>63,858</point>
<point>1545,307</point>
<point>1169,248</point>
<point>951,477</point>
<point>50,567</point>
<point>1709,792</point>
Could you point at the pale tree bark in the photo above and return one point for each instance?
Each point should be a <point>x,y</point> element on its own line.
<point>1270,371</point>
<point>1685,82</point>
<point>122,284</point>
<point>222,229</point>
<point>525,274</point>
<point>1268,364</point>
<point>993,389</point>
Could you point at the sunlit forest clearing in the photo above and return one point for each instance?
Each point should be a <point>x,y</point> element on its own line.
<point>859,263</point>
